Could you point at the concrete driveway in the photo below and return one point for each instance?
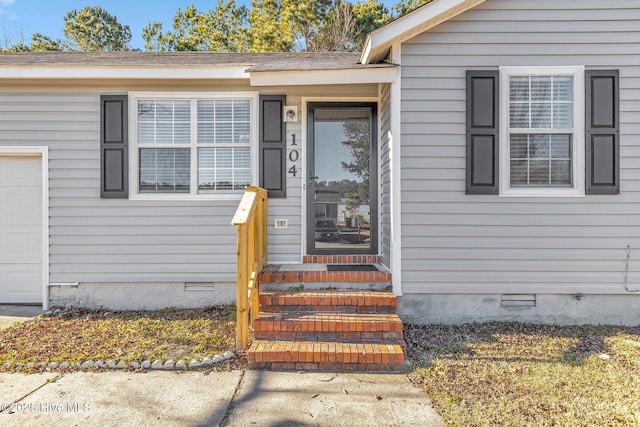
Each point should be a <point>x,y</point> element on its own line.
<point>10,314</point>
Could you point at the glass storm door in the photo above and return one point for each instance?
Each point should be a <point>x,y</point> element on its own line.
<point>342,193</point>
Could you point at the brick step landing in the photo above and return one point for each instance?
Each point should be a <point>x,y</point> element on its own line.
<point>325,356</point>
<point>372,327</point>
<point>317,273</point>
<point>332,330</point>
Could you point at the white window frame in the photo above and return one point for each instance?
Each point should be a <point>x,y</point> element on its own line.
<point>193,194</point>
<point>578,138</point>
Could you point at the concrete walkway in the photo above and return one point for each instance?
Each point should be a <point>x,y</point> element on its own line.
<point>237,398</point>
<point>180,398</point>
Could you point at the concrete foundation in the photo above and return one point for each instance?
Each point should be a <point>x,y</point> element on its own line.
<point>424,309</point>
<point>420,309</point>
<point>141,296</point>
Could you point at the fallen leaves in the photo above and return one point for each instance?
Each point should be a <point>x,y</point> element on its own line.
<point>77,335</point>
<point>522,374</point>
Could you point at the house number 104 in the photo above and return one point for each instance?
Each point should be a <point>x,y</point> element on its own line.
<point>294,155</point>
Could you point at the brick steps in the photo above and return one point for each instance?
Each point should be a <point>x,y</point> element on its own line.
<point>336,300</point>
<point>369,327</point>
<point>314,270</point>
<point>331,330</point>
<point>275,275</point>
<point>325,356</point>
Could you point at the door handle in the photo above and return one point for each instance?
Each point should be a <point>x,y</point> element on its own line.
<point>312,183</point>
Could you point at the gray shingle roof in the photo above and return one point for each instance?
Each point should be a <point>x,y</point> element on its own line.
<point>254,62</point>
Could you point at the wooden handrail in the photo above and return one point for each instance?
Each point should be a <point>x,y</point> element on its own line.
<point>250,221</point>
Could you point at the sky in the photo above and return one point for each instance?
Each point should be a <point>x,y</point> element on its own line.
<point>19,19</point>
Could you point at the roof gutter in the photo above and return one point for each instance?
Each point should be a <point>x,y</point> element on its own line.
<point>121,72</point>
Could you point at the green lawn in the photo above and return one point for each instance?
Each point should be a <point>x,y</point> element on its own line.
<point>507,374</point>
<point>78,335</point>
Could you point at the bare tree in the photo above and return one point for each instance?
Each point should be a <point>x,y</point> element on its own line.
<point>13,40</point>
<point>338,32</point>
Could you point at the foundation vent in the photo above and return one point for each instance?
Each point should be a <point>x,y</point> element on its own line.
<point>199,287</point>
<point>518,300</point>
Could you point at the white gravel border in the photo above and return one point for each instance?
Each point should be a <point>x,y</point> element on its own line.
<point>159,365</point>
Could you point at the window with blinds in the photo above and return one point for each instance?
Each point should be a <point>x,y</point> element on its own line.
<point>193,145</point>
<point>224,156</point>
<point>541,130</point>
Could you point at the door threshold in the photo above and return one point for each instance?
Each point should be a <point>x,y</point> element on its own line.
<point>342,259</point>
<point>352,267</point>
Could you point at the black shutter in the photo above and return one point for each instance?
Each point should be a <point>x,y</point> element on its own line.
<point>602,132</point>
<point>114,156</point>
<point>273,145</point>
<point>482,132</point>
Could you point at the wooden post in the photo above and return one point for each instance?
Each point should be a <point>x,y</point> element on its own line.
<point>242,321</point>
<point>263,226</point>
<point>254,294</point>
<point>250,220</point>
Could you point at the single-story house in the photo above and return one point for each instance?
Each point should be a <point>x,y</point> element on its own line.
<point>488,151</point>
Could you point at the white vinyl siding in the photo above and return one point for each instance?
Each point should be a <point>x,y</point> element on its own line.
<point>108,240</point>
<point>94,240</point>
<point>457,243</point>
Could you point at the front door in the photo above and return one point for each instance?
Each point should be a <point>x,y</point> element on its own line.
<point>342,215</point>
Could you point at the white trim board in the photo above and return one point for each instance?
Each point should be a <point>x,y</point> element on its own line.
<point>258,78</point>
<point>43,153</point>
<point>324,77</point>
<point>122,72</point>
<point>395,143</point>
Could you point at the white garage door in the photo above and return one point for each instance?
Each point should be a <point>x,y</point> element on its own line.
<point>21,256</point>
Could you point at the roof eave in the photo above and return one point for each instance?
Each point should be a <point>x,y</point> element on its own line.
<point>424,18</point>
